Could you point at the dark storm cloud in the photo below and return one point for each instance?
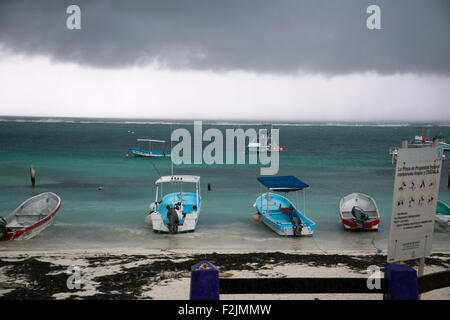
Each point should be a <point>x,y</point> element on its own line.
<point>263,36</point>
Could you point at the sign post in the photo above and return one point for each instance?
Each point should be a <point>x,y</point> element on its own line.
<point>416,190</point>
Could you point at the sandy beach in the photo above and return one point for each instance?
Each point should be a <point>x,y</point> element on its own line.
<point>165,274</point>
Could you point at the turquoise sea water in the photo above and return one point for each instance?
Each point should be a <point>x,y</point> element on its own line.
<point>74,158</point>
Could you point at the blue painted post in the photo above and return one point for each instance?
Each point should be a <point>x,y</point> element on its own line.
<point>204,282</point>
<point>402,282</point>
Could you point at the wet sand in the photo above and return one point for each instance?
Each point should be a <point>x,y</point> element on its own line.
<point>164,274</point>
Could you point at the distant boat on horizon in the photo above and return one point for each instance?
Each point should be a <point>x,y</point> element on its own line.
<point>257,146</point>
<point>420,141</point>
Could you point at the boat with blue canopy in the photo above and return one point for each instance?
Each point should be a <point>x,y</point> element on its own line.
<point>178,211</point>
<point>278,212</point>
<point>142,151</point>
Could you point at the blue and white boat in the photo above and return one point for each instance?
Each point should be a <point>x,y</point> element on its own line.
<point>178,211</point>
<point>277,211</point>
<point>140,151</point>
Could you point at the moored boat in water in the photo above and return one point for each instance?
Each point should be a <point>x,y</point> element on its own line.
<point>419,141</point>
<point>176,212</point>
<point>264,144</point>
<point>139,151</point>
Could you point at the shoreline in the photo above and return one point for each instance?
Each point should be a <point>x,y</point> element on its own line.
<point>141,251</point>
<point>165,274</point>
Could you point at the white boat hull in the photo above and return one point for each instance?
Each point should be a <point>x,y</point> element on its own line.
<point>442,222</point>
<point>257,149</point>
<point>32,217</point>
<point>34,232</point>
<point>155,220</point>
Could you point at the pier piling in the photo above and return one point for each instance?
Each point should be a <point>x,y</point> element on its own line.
<point>405,143</point>
<point>32,176</point>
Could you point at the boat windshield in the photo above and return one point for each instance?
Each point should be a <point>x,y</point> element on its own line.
<point>180,185</point>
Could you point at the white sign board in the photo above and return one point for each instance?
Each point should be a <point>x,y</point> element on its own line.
<point>416,189</point>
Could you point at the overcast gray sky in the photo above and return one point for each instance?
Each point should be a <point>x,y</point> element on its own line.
<point>208,59</point>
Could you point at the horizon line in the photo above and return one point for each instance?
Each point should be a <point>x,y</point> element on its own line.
<point>230,121</point>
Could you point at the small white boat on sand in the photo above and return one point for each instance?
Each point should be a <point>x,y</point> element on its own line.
<point>30,218</point>
<point>358,211</point>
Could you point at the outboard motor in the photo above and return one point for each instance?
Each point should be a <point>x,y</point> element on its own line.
<point>360,217</point>
<point>3,230</point>
<point>297,226</point>
<point>179,209</point>
<point>173,220</point>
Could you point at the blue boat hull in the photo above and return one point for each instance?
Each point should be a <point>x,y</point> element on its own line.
<point>145,153</point>
<point>279,222</point>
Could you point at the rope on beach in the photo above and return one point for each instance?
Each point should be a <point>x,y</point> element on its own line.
<point>315,242</point>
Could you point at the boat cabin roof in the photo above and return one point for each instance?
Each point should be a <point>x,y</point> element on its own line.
<point>151,140</point>
<point>283,183</point>
<point>183,178</point>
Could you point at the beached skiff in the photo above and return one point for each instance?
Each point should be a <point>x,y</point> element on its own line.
<point>278,212</point>
<point>30,218</point>
<point>358,211</point>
